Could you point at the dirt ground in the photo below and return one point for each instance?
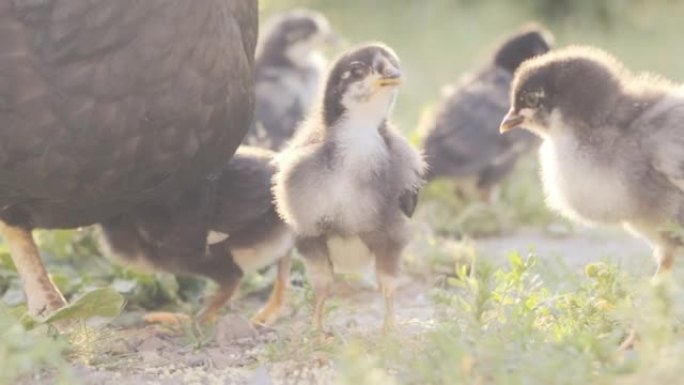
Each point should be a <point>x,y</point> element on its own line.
<point>239,354</point>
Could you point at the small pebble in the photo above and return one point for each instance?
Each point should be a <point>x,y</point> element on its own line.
<point>260,377</point>
<point>233,327</point>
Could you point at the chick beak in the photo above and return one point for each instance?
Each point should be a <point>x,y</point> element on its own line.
<point>511,121</point>
<point>390,77</point>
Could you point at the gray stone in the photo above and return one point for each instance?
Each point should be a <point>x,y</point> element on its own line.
<point>233,327</point>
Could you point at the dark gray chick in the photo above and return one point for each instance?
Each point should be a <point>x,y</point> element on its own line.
<point>613,142</point>
<point>463,140</point>
<point>221,229</point>
<point>289,67</point>
<point>348,182</point>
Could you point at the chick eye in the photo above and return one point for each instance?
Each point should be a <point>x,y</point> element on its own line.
<point>358,70</point>
<point>532,99</point>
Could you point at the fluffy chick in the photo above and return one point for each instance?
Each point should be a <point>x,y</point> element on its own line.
<point>289,67</point>
<point>221,229</point>
<point>348,182</point>
<point>613,142</point>
<point>462,139</point>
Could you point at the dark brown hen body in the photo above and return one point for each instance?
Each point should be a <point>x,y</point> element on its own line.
<point>107,104</point>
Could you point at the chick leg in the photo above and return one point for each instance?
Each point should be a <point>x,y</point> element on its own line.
<point>489,194</point>
<point>387,251</point>
<point>42,296</point>
<point>207,315</point>
<point>166,318</point>
<point>220,266</point>
<point>664,256</point>
<point>459,192</point>
<point>271,311</point>
<point>320,273</point>
<point>321,281</point>
<point>217,264</point>
<point>210,312</point>
<point>629,342</point>
<point>387,284</point>
<point>490,178</point>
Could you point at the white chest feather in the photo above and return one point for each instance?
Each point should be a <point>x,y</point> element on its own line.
<point>340,188</point>
<point>361,148</point>
<point>350,194</point>
<point>580,187</point>
<point>345,195</point>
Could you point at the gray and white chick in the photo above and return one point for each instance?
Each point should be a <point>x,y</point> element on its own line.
<point>219,229</point>
<point>462,139</point>
<point>613,142</point>
<point>289,67</point>
<point>348,182</point>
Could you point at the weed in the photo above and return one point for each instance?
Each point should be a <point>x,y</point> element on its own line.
<point>24,352</point>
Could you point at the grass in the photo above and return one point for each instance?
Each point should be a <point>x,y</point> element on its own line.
<point>22,351</point>
<point>519,324</point>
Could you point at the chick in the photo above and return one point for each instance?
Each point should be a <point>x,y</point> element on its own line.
<point>220,229</point>
<point>613,142</point>
<point>348,182</point>
<point>289,67</point>
<point>462,139</point>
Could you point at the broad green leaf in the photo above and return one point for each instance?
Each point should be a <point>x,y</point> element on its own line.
<point>102,302</point>
<point>169,285</point>
<point>5,258</point>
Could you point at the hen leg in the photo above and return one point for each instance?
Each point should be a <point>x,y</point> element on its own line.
<point>42,296</point>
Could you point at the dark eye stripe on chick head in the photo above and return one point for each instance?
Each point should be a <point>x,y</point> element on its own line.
<point>353,67</point>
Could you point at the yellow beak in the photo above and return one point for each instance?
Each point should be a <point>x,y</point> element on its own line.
<point>385,82</point>
<point>511,121</point>
<point>389,77</point>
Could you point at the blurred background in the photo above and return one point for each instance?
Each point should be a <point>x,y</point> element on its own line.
<point>438,40</point>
